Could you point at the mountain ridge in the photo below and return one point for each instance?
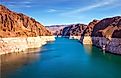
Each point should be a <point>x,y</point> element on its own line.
<point>14,24</point>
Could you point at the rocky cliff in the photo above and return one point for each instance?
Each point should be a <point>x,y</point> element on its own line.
<point>14,24</point>
<point>105,34</point>
<point>109,28</point>
<point>19,32</point>
<point>88,31</point>
<point>74,30</point>
<point>86,35</point>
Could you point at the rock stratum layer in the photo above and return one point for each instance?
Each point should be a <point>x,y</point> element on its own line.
<point>19,32</point>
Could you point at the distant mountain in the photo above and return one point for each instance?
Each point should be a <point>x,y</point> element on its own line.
<point>56,29</point>
<point>14,24</point>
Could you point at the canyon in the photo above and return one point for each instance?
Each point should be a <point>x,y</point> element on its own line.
<point>17,29</point>
<point>105,34</point>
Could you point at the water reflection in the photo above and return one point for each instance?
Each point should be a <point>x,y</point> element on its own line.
<point>11,62</point>
<point>88,48</point>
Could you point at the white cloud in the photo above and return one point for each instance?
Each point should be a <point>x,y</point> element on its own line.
<point>19,6</point>
<point>90,7</point>
<point>51,10</point>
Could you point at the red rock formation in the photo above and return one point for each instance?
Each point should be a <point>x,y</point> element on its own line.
<point>14,24</point>
<point>90,27</point>
<point>74,30</point>
<point>109,28</point>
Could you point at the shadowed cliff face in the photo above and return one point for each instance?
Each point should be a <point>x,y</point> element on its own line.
<point>109,28</point>
<point>14,24</point>
<point>88,31</point>
<point>74,30</point>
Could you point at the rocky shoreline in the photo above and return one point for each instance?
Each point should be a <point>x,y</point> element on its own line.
<point>20,44</point>
<point>112,46</point>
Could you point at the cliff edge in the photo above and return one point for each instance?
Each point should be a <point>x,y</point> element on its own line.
<point>19,32</point>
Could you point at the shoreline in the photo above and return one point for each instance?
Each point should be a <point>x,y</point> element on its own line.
<point>112,46</point>
<point>21,44</point>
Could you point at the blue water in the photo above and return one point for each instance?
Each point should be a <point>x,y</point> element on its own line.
<point>62,58</point>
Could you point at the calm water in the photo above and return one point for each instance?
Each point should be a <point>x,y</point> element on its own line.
<point>63,58</point>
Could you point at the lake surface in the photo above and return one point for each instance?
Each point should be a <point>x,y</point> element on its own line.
<point>62,58</point>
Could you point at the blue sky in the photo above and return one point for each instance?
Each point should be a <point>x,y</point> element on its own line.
<point>49,12</point>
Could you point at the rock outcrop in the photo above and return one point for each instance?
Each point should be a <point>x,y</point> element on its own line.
<point>14,24</point>
<point>88,31</point>
<point>19,32</point>
<point>105,34</point>
<point>74,30</point>
<point>109,28</point>
<point>86,35</point>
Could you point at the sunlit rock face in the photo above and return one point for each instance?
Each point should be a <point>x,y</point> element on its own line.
<point>14,24</point>
<point>19,32</point>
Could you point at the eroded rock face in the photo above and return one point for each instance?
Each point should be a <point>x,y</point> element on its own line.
<point>14,24</point>
<point>74,30</point>
<point>109,28</point>
<point>88,31</point>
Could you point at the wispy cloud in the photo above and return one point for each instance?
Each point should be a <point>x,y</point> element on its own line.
<point>91,7</point>
<point>52,10</point>
<point>18,4</point>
